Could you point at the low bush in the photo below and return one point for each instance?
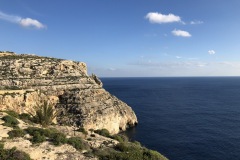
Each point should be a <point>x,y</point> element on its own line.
<point>12,154</point>
<point>58,138</point>
<point>128,151</point>
<point>50,131</point>
<point>40,134</point>
<point>120,138</point>
<point>12,113</point>
<point>38,138</point>
<point>81,129</point>
<point>150,154</point>
<point>76,142</point>
<point>137,143</point>
<point>32,130</point>
<point>10,121</point>
<point>123,147</point>
<point>25,116</point>
<point>16,133</point>
<point>103,132</point>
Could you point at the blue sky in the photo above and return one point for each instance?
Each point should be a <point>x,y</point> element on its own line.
<point>128,38</point>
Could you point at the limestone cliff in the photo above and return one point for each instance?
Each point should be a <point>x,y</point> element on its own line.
<point>28,80</point>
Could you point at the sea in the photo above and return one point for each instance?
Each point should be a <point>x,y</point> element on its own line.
<point>184,118</point>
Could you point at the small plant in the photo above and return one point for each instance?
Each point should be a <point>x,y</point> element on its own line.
<point>58,138</point>
<point>16,133</point>
<point>38,138</point>
<point>12,154</point>
<point>76,142</point>
<point>12,113</point>
<point>81,129</point>
<point>123,147</point>
<point>103,132</point>
<point>120,138</point>
<point>40,134</point>
<point>50,131</point>
<point>10,121</point>
<point>25,116</point>
<point>32,130</point>
<point>44,114</point>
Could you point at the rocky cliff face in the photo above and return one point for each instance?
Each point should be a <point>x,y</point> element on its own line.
<point>28,80</point>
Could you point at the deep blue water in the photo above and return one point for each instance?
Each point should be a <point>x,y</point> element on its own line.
<point>184,118</point>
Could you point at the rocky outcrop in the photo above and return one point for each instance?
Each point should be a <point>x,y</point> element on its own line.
<point>28,80</point>
<point>95,108</point>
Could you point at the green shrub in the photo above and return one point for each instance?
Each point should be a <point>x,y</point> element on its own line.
<point>32,130</point>
<point>123,147</point>
<point>81,129</point>
<point>16,133</point>
<point>76,142</point>
<point>103,132</point>
<point>40,134</point>
<point>50,131</point>
<point>19,155</point>
<point>1,146</point>
<point>25,116</point>
<point>44,114</point>
<point>137,143</point>
<point>89,154</point>
<point>128,151</point>
<point>10,121</point>
<point>150,154</point>
<point>12,154</point>
<point>12,113</point>
<point>38,138</point>
<point>58,138</point>
<point>120,138</point>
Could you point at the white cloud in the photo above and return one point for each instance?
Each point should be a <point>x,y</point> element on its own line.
<point>10,18</point>
<point>155,17</point>
<point>211,52</point>
<point>196,22</point>
<point>181,33</point>
<point>25,22</point>
<point>28,22</point>
<point>178,57</point>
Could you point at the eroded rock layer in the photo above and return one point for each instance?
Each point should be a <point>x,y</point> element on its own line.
<point>28,80</point>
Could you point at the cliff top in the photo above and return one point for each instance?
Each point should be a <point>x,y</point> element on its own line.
<point>13,55</point>
<point>6,53</point>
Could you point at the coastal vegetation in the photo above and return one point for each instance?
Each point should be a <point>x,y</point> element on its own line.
<point>10,121</point>
<point>12,154</point>
<point>44,114</point>
<point>122,150</point>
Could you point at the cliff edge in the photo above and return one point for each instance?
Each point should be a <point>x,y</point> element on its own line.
<point>29,80</point>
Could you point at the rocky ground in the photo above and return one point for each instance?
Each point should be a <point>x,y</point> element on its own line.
<point>48,151</point>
